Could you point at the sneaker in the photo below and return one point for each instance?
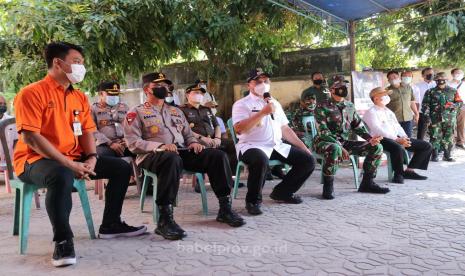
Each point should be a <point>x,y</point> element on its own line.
<point>120,229</point>
<point>253,209</point>
<point>460,146</point>
<point>64,254</point>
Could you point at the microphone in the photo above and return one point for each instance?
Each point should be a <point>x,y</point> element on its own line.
<point>267,97</point>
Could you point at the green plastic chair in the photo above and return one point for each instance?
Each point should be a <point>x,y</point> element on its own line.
<point>389,163</point>
<point>310,135</point>
<point>155,215</point>
<point>25,192</point>
<point>241,165</point>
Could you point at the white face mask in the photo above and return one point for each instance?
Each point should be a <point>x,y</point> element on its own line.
<point>267,87</point>
<point>169,99</point>
<point>458,77</point>
<point>204,86</point>
<point>196,98</point>
<point>78,72</point>
<point>260,89</point>
<point>385,100</point>
<point>406,80</point>
<point>394,82</point>
<point>112,100</point>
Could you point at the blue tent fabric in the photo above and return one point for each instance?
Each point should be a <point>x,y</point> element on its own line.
<point>358,9</point>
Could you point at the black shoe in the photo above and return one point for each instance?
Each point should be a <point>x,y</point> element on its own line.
<point>269,176</point>
<point>460,146</point>
<point>278,172</point>
<point>241,185</point>
<point>227,215</point>
<point>413,175</point>
<point>434,156</point>
<point>253,208</point>
<point>398,178</point>
<point>328,187</point>
<point>197,187</point>
<point>120,229</point>
<point>166,226</point>
<point>369,186</point>
<point>292,199</point>
<point>64,254</point>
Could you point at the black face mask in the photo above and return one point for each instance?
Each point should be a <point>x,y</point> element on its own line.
<point>440,82</point>
<point>341,91</point>
<point>429,76</point>
<point>317,82</point>
<point>2,109</point>
<point>160,92</point>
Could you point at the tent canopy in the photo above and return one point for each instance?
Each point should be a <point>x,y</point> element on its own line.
<point>358,9</point>
<point>337,14</point>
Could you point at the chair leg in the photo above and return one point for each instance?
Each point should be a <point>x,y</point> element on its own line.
<point>101,188</point>
<point>193,181</point>
<point>143,192</point>
<point>389,164</point>
<point>136,176</point>
<point>16,214</point>
<point>7,182</point>
<point>24,217</point>
<point>203,193</point>
<point>37,199</point>
<point>81,188</point>
<point>96,187</point>
<point>237,180</point>
<point>353,160</point>
<point>155,214</point>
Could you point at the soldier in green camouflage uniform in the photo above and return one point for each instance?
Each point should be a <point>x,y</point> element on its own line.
<point>295,112</point>
<point>440,105</point>
<point>336,117</point>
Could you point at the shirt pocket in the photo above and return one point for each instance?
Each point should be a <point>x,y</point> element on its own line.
<point>153,128</point>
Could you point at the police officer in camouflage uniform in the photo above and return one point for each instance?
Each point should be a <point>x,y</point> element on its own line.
<point>108,114</point>
<point>440,106</point>
<point>336,117</point>
<point>161,137</point>
<point>296,111</point>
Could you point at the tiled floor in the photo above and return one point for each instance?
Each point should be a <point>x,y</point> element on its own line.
<point>417,229</point>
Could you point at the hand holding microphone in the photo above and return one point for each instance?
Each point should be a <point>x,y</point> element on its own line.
<point>269,108</point>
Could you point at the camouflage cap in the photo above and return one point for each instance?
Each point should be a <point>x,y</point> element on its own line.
<point>440,75</point>
<point>337,81</point>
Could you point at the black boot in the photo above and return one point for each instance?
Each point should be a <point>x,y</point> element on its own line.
<point>166,226</point>
<point>369,186</point>
<point>227,215</point>
<point>434,156</point>
<point>447,154</point>
<point>328,188</point>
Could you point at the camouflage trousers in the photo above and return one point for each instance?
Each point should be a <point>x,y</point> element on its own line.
<point>441,135</point>
<point>332,155</point>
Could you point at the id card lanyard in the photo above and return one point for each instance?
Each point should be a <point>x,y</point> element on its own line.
<point>77,128</point>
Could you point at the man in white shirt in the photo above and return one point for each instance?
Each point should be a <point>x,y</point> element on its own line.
<point>457,83</point>
<point>261,126</point>
<point>419,90</point>
<point>381,121</point>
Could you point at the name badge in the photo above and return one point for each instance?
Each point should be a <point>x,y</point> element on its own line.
<point>77,129</point>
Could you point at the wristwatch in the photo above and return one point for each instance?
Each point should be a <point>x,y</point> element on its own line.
<point>92,155</point>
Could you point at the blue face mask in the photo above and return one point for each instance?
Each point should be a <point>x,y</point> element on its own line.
<point>112,100</point>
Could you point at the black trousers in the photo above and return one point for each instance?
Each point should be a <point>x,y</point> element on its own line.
<point>105,150</point>
<point>421,154</point>
<point>302,164</point>
<point>422,127</point>
<point>168,167</point>
<point>408,127</point>
<point>59,182</point>
<point>227,145</point>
